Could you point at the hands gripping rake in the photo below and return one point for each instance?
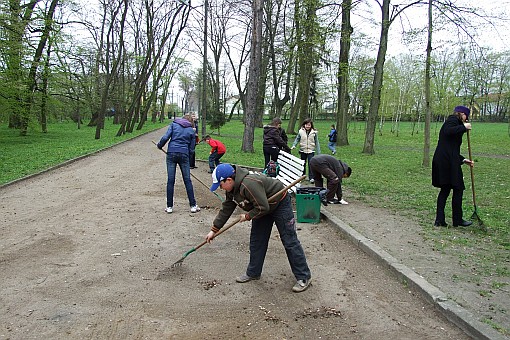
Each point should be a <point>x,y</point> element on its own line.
<point>225,228</point>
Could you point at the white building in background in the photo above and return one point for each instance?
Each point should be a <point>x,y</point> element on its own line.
<point>229,104</point>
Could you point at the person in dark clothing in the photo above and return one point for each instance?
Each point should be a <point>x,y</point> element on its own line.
<point>275,139</point>
<point>250,191</point>
<point>446,166</point>
<point>192,157</point>
<point>334,170</point>
<point>181,143</point>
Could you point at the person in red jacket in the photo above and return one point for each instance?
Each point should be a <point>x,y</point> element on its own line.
<point>218,149</point>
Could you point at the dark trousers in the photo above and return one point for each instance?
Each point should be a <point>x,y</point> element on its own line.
<point>283,217</point>
<point>270,154</point>
<point>306,157</point>
<point>456,204</point>
<point>214,159</point>
<point>192,160</point>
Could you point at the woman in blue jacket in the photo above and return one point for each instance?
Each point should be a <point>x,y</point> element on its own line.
<point>181,144</point>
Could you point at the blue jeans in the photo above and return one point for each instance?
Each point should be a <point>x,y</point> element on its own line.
<point>172,159</point>
<point>332,146</point>
<point>214,159</point>
<point>306,157</point>
<point>261,228</point>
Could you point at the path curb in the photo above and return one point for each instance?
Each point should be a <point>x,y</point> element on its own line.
<point>455,313</point>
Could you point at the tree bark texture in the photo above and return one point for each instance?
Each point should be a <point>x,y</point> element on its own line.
<point>378,79</point>
<point>343,74</point>
<point>428,110</point>
<point>253,78</point>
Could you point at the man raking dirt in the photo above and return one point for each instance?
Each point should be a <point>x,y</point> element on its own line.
<point>250,191</point>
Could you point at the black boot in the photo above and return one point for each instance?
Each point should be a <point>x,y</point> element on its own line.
<point>463,223</point>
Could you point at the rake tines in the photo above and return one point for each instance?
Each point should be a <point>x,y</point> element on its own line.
<point>222,230</point>
<point>237,220</point>
<point>181,260</point>
<point>476,219</point>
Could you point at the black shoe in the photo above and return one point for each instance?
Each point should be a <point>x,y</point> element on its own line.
<point>463,224</point>
<point>335,201</point>
<point>210,171</point>
<point>440,224</point>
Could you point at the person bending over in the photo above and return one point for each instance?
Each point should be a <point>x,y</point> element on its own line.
<point>250,191</point>
<point>334,170</point>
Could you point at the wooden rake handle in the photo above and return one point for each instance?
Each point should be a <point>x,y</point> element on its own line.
<point>471,170</point>
<point>270,199</point>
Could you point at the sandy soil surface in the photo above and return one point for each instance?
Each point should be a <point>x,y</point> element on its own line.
<point>86,252</point>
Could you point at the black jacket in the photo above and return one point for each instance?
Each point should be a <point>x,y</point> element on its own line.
<point>273,137</point>
<point>447,161</point>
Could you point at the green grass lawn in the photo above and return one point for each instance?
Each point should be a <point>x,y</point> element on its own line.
<point>21,156</point>
<point>392,178</point>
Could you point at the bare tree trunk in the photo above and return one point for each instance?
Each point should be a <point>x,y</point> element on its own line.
<point>44,99</point>
<point>426,144</point>
<point>278,102</point>
<point>378,79</point>
<point>203,105</point>
<point>253,78</point>
<point>343,74</point>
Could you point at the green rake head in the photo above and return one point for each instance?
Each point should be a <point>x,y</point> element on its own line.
<point>181,260</point>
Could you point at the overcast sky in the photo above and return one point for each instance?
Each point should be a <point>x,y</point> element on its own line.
<point>490,31</point>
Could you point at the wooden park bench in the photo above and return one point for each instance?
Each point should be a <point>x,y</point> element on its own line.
<point>291,168</point>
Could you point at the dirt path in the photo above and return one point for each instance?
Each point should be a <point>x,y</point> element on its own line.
<point>85,252</point>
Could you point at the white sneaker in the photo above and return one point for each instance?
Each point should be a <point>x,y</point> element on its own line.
<point>195,208</point>
<point>169,210</point>
<point>342,201</point>
<point>312,180</point>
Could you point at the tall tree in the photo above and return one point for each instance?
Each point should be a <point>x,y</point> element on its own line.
<point>343,74</point>
<point>428,111</point>
<point>307,31</point>
<point>253,76</point>
<point>117,57</point>
<point>281,57</point>
<point>22,85</point>
<point>377,83</point>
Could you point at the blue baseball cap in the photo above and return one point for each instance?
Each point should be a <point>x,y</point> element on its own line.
<point>222,172</point>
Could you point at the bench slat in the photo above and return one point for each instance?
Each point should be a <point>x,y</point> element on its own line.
<point>291,168</point>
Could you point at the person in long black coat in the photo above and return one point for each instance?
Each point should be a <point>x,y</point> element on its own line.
<point>446,166</point>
